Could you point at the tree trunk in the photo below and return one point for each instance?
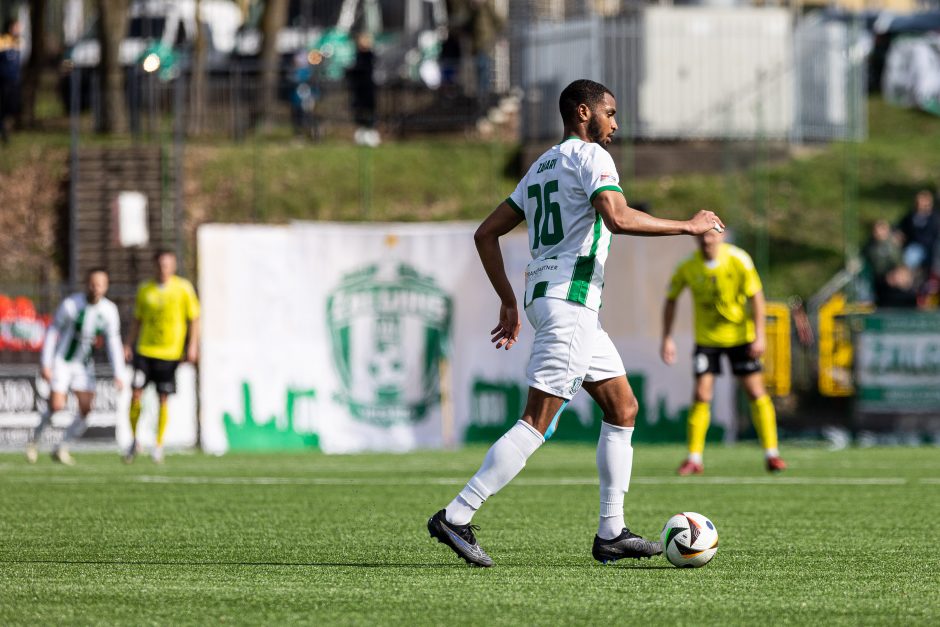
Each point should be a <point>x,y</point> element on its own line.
<point>38,58</point>
<point>197,86</point>
<point>272,20</point>
<point>112,21</point>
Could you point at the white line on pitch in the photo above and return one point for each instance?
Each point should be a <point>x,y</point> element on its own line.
<point>775,480</point>
<point>547,481</point>
<point>521,481</point>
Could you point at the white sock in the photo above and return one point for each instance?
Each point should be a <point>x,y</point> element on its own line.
<point>771,452</point>
<point>696,457</point>
<point>614,467</point>
<point>44,419</point>
<point>74,430</point>
<point>459,512</point>
<point>503,461</point>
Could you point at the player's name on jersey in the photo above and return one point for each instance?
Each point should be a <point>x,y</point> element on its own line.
<point>547,165</point>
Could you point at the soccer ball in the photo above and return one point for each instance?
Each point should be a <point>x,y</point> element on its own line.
<point>689,540</point>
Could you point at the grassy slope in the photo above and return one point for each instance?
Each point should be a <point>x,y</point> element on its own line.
<point>415,180</point>
<point>342,540</point>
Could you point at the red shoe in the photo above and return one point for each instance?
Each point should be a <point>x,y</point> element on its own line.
<point>689,467</point>
<point>775,464</point>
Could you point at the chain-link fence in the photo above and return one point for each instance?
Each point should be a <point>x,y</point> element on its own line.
<point>230,104</point>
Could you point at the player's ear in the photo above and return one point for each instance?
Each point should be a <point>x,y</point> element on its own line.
<point>584,112</point>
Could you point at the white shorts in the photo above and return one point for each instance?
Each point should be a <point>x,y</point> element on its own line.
<point>72,376</point>
<point>570,347</point>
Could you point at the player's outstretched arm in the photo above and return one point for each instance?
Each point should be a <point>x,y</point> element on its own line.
<point>621,218</point>
<point>501,221</point>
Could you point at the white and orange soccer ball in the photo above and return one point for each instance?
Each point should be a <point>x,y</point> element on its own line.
<point>689,540</point>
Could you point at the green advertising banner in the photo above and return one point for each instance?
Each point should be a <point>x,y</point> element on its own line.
<point>898,363</point>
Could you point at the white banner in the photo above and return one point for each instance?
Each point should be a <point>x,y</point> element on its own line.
<point>337,336</point>
<point>23,394</point>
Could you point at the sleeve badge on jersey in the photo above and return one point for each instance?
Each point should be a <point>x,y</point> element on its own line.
<point>607,176</point>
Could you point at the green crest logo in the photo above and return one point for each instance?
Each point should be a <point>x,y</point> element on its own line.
<point>389,326</point>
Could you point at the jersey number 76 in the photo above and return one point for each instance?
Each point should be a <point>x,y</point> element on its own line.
<point>547,232</point>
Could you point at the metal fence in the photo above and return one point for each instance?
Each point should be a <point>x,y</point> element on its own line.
<point>233,106</point>
<point>679,73</point>
<point>697,73</point>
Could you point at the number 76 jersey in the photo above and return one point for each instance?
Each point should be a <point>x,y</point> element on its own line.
<point>567,237</point>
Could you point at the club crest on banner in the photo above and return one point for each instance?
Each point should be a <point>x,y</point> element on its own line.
<point>389,326</point>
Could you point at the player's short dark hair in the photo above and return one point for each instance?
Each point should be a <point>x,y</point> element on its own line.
<point>95,270</point>
<point>163,251</point>
<point>581,91</point>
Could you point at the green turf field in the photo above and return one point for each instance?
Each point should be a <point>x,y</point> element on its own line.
<point>842,538</point>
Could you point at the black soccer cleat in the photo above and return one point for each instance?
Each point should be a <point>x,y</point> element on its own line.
<point>460,539</point>
<point>625,545</point>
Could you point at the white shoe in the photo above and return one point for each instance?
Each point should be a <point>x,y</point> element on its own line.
<point>157,455</point>
<point>62,456</point>
<point>32,453</point>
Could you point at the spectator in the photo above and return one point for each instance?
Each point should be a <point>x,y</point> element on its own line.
<point>892,281</point>
<point>303,96</point>
<point>929,297</point>
<point>362,88</point>
<point>898,289</point>
<point>485,25</point>
<point>920,228</point>
<point>10,59</point>
<point>450,60</point>
<point>883,251</point>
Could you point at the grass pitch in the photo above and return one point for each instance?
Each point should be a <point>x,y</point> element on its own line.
<point>841,538</point>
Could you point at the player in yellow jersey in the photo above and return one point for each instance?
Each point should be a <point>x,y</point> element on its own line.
<point>165,315</point>
<point>723,280</point>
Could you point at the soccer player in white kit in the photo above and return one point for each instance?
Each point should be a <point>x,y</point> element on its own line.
<point>572,202</point>
<point>66,358</point>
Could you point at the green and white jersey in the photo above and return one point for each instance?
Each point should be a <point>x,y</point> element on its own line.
<point>76,328</point>
<point>567,237</point>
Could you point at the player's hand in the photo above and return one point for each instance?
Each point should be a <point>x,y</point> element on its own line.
<point>192,354</point>
<point>118,383</point>
<point>46,374</point>
<point>668,351</point>
<point>757,348</point>
<point>507,331</point>
<point>128,353</point>
<point>704,221</point>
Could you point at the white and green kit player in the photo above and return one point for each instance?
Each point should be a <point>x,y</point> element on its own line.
<point>81,320</point>
<point>572,202</point>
